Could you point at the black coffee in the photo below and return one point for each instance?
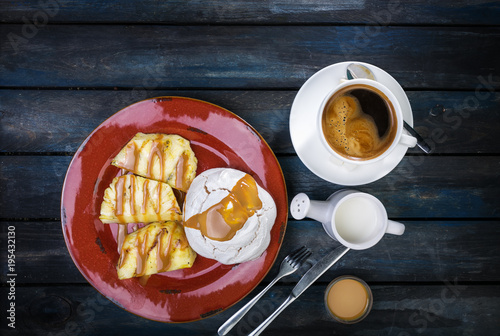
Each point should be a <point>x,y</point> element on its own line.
<point>359,122</point>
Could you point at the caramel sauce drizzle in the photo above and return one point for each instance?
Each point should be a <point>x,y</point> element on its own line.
<point>131,201</point>
<point>132,158</point>
<point>120,238</point>
<point>131,155</point>
<point>131,163</point>
<point>158,196</point>
<point>163,260</point>
<point>145,194</point>
<point>222,220</point>
<point>142,254</point>
<point>146,245</point>
<point>121,193</point>
<point>143,280</point>
<point>181,180</point>
<point>119,190</point>
<point>157,151</point>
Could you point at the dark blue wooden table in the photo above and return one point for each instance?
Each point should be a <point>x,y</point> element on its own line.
<point>67,65</point>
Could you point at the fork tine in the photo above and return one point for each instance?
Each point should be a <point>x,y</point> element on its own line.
<point>290,264</point>
<point>297,252</point>
<point>292,255</point>
<point>301,257</point>
<point>308,254</point>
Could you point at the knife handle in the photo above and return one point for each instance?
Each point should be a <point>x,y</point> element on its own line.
<point>231,322</point>
<point>271,317</point>
<point>420,141</point>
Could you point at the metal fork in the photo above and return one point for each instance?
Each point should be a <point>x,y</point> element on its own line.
<point>290,264</point>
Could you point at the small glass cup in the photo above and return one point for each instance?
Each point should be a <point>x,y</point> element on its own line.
<point>362,313</point>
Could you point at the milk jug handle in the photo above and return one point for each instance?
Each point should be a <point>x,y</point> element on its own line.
<point>395,228</point>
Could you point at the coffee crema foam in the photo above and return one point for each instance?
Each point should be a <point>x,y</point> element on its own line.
<point>350,131</point>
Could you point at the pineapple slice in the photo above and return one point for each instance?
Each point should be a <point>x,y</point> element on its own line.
<point>155,248</point>
<point>163,157</point>
<point>134,199</point>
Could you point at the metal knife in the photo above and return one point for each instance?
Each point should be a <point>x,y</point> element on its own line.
<point>307,280</point>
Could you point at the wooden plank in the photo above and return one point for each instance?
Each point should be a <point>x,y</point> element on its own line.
<point>59,120</point>
<point>476,12</point>
<point>241,56</point>
<point>419,187</point>
<point>429,251</point>
<point>397,310</point>
<point>41,255</point>
<point>456,122</point>
<point>30,187</point>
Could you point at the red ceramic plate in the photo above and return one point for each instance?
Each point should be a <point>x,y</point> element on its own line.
<point>219,139</point>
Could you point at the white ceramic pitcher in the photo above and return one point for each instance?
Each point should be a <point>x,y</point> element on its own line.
<point>355,219</point>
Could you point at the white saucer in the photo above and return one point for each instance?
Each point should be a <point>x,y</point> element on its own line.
<point>306,138</point>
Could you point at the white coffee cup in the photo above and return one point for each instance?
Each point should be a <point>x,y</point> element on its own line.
<point>355,219</point>
<point>400,138</point>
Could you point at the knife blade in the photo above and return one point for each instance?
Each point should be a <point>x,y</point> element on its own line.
<point>307,280</point>
<point>318,269</point>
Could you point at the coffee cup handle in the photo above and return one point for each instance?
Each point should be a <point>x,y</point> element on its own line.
<point>340,163</point>
<point>395,228</point>
<point>407,140</point>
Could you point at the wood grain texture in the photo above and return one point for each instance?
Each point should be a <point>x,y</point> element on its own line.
<point>241,56</point>
<point>429,251</point>
<point>476,12</point>
<point>397,310</point>
<point>42,121</point>
<point>67,65</point>
<point>419,187</point>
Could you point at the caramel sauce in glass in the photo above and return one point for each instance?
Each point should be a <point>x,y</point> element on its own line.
<point>222,220</point>
<point>348,300</point>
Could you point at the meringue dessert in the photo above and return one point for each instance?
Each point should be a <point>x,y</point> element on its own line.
<point>155,248</point>
<point>134,199</point>
<point>163,157</point>
<point>228,216</point>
